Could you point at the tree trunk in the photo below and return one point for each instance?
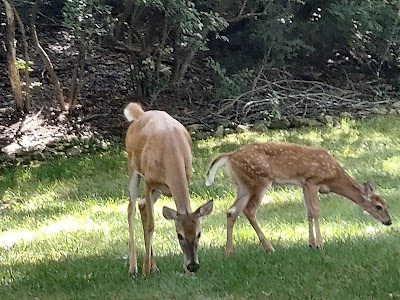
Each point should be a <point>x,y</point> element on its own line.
<point>79,70</point>
<point>164,37</point>
<point>182,64</point>
<point>27,100</point>
<point>11,58</point>
<point>49,67</point>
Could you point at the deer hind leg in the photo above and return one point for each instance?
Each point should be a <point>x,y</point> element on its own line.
<point>311,201</point>
<point>250,212</point>
<point>147,215</point>
<point>237,207</point>
<point>133,186</point>
<point>143,214</point>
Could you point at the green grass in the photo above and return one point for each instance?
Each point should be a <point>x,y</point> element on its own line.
<point>64,229</point>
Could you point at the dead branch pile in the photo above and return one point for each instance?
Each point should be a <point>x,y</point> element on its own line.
<point>290,98</point>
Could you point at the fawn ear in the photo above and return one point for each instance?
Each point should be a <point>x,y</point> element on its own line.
<point>169,213</point>
<point>368,190</point>
<point>205,209</point>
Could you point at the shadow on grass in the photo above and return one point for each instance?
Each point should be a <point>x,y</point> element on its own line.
<point>355,269</point>
<point>8,180</point>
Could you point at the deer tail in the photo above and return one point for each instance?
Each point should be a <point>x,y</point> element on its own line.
<point>132,111</point>
<point>219,161</point>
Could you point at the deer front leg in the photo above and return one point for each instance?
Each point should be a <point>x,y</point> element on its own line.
<point>311,238</point>
<point>132,249</point>
<point>311,201</point>
<point>133,183</point>
<point>148,233</point>
<point>315,208</point>
<point>143,214</point>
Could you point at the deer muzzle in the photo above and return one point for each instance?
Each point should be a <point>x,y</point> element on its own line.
<point>387,223</point>
<point>193,267</point>
<point>192,262</point>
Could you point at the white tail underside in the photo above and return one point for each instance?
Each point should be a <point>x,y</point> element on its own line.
<point>128,115</point>
<point>213,170</point>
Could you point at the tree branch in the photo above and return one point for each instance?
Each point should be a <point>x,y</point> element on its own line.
<point>49,66</point>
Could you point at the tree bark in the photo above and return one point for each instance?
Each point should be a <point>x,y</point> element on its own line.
<point>11,57</point>
<point>182,64</point>
<point>27,100</point>
<point>49,66</point>
<point>164,37</point>
<point>79,70</point>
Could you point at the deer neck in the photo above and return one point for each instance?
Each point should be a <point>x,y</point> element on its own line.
<point>179,187</point>
<point>347,187</point>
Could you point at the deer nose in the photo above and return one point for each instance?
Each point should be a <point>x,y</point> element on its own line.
<point>193,267</point>
<point>387,223</point>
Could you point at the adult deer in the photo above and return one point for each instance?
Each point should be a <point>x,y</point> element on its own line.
<point>255,167</point>
<point>159,150</point>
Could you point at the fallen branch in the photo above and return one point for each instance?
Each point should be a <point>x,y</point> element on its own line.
<point>290,98</point>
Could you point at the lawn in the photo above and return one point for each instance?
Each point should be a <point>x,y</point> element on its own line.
<point>64,228</point>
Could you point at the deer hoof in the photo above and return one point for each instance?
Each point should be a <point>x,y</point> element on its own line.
<point>133,270</point>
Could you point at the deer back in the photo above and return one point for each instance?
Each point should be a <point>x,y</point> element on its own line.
<point>284,163</point>
<point>159,148</point>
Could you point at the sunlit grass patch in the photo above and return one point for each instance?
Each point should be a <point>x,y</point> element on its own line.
<point>391,166</point>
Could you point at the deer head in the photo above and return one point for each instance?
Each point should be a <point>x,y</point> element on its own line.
<point>188,231</point>
<point>374,204</point>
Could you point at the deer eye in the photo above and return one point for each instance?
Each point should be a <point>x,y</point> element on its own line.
<point>198,235</point>
<point>180,237</point>
<point>378,207</point>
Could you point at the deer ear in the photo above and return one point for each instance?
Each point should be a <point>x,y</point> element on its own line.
<point>205,209</point>
<point>169,213</point>
<point>368,190</point>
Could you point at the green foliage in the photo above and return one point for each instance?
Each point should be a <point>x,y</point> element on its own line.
<point>375,30</point>
<point>241,35</point>
<point>314,32</point>
<point>191,23</point>
<point>64,228</point>
<point>275,112</point>
<point>274,33</point>
<point>156,31</point>
<point>21,65</point>
<point>273,37</point>
<point>230,85</point>
<point>91,16</point>
<point>147,77</point>
<point>276,36</point>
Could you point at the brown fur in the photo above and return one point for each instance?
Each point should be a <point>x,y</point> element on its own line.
<point>159,150</point>
<point>257,166</point>
<point>134,110</point>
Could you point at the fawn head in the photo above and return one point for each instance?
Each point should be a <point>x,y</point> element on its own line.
<point>375,205</point>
